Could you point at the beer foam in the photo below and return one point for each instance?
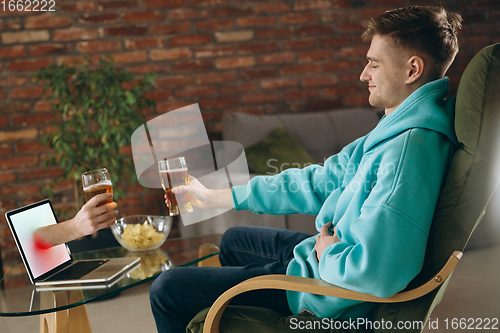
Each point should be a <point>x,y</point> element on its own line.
<point>174,170</point>
<point>105,182</point>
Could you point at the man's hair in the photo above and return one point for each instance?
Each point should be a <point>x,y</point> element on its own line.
<point>430,30</point>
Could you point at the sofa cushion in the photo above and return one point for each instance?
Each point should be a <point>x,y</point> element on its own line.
<point>277,152</point>
<point>322,134</point>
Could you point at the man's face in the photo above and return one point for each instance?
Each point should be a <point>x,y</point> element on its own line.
<point>386,74</point>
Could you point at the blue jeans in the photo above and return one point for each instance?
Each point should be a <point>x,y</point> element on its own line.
<point>245,252</point>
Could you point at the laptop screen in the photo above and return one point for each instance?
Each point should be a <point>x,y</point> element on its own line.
<point>24,222</point>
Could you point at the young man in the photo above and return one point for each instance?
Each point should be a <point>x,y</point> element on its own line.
<point>374,200</point>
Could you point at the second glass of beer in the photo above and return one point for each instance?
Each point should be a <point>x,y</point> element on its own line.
<point>174,172</point>
<point>97,182</point>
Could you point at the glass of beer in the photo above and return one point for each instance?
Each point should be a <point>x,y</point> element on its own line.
<point>174,172</point>
<point>96,182</point>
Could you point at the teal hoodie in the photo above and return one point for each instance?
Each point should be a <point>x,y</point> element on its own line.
<point>380,192</point>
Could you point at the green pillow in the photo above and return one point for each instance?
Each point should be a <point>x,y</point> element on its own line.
<point>277,152</point>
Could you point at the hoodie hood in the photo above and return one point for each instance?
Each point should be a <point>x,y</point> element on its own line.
<point>425,108</point>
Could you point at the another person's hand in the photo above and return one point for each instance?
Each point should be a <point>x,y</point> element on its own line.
<point>325,239</point>
<point>93,217</point>
<point>202,197</point>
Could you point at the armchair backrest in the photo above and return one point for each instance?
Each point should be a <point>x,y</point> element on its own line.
<point>471,180</point>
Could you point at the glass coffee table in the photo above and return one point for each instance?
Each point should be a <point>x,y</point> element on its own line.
<point>64,310</point>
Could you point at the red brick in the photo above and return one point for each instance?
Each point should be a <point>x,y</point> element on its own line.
<point>47,20</point>
<point>124,31</point>
<point>15,107</point>
<point>144,43</point>
<point>325,104</point>
<point>32,92</point>
<point>145,16</point>
<point>275,33</point>
<point>302,68</point>
<point>165,3</point>
<point>278,58</point>
<point>255,110</point>
<point>316,55</point>
<point>337,41</point>
<point>300,94</point>
<point>4,121</point>
<point>338,16</point>
<point>7,177</point>
<point>163,107</point>
<point>41,173</point>
<point>12,52</point>
<point>355,51</point>
<point>295,18</point>
<point>5,149</point>
<point>175,80</point>
<point>130,57</point>
<point>350,27</point>
<point>13,24</point>
<point>206,2</point>
<point>219,102</point>
<point>28,65</point>
<point>187,14</point>
<point>215,24</point>
<point>98,46</point>
<point>74,34</point>
<point>216,77</point>
<point>130,201</point>
<point>318,81</point>
<point>366,14</point>
<point>234,36</point>
<point>118,4</point>
<point>173,28</point>
<point>340,91</point>
<point>275,8</point>
<point>146,68</point>
<point>29,147</point>
<point>260,98</point>
<point>259,73</point>
<point>214,51</point>
<point>340,65</point>
<point>312,4</point>
<point>99,18</point>
<point>42,106</point>
<point>77,7</point>
<point>279,83</point>
<point>245,87</point>
<point>53,48</point>
<point>231,11</point>
<point>33,119</point>
<point>160,55</point>
<point>18,162</point>
<point>196,91</point>
<point>159,95</point>
<point>25,36</point>
<point>77,60</point>
<point>356,100</point>
<point>257,48</point>
<point>256,21</point>
<point>235,62</point>
<point>190,40</point>
<point>313,30</point>
<point>298,44</point>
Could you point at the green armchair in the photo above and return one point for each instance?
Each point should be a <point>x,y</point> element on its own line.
<point>469,185</point>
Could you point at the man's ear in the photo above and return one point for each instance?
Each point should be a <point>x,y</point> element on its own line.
<point>415,68</point>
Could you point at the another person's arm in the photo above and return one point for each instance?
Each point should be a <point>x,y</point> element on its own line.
<point>203,197</point>
<point>89,219</point>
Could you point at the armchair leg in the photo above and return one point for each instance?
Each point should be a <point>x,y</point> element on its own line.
<point>74,320</point>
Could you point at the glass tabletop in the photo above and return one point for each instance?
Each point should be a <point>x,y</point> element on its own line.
<point>29,300</point>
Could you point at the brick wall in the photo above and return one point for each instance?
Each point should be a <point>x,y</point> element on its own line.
<point>272,56</point>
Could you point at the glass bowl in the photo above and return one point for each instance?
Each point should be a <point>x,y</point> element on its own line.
<point>142,232</point>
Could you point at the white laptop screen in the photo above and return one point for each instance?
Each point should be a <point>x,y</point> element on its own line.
<point>24,223</point>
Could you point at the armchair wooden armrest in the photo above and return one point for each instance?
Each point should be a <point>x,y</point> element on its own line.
<point>320,287</point>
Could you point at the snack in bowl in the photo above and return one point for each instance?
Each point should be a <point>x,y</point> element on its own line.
<point>142,232</point>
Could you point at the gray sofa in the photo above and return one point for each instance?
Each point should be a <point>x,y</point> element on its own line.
<point>321,134</point>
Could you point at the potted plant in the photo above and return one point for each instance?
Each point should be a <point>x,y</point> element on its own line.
<point>97,109</point>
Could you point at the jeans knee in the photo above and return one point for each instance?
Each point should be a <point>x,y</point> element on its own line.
<point>230,235</point>
<point>160,291</point>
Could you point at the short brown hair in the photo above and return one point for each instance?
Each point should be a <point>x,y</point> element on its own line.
<point>427,29</point>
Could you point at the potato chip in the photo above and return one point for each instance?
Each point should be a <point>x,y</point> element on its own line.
<point>141,236</point>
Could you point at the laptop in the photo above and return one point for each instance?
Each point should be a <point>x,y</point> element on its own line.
<point>55,265</point>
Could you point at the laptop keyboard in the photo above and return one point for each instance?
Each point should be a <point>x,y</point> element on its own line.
<point>76,271</point>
